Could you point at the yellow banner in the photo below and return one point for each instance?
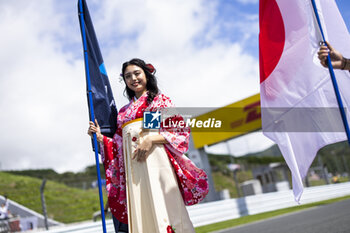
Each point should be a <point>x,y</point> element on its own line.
<point>237,119</point>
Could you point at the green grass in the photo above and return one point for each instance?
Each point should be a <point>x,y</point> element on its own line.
<point>323,182</point>
<point>64,204</point>
<point>257,217</point>
<point>226,182</point>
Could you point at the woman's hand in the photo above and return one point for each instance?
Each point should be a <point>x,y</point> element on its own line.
<point>143,150</point>
<point>336,57</point>
<point>95,129</point>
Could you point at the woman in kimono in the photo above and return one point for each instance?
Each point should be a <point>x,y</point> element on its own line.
<point>149,180</point>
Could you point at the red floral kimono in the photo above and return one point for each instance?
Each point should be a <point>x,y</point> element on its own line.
<point>193,182</point>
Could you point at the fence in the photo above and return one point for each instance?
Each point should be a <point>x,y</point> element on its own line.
<point>213,212</point>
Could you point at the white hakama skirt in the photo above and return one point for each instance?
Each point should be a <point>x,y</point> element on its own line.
<point>153,196</point>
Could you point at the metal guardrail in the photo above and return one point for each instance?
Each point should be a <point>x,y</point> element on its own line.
<point>87,227</point>
<point>218,211</point>
<point>213,212</point>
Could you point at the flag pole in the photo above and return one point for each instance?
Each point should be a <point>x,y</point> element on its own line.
<point>334,81</point>
<point>92,115</point>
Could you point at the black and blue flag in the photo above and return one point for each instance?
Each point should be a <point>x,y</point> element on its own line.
<point>104,107</point>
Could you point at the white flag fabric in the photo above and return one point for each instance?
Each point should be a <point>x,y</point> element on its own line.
<point>299,107</point>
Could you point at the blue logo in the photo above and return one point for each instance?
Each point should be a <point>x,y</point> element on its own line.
<point>151,120</point>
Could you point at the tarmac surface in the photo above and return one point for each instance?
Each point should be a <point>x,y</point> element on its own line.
<point>331,218</point>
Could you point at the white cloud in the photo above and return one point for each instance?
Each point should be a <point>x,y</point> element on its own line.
<point>42,92</point>
<point>42,80</point>
<point>167,36</point>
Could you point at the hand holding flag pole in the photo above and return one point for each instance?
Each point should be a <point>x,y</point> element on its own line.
<point>334,81</point>
<point>338,61</point>
<point>91,107</point>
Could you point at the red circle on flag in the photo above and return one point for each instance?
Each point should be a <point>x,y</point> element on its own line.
<point>271,37</point>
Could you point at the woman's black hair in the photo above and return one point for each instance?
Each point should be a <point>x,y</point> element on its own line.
<point>151,85</point>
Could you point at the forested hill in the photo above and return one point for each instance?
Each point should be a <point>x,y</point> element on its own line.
<point>335,156</point>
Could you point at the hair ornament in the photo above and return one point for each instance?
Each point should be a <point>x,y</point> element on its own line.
<point>151,68</point>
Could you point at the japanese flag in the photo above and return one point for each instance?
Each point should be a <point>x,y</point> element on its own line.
<point>299,107</point>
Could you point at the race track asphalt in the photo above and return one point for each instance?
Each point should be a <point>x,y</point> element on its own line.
<point>331,218</point>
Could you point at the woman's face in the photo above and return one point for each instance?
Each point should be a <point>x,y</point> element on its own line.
<point>135,79</point>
